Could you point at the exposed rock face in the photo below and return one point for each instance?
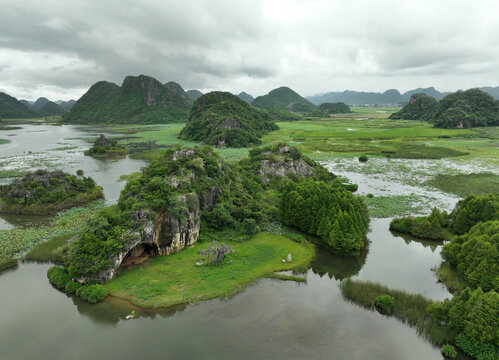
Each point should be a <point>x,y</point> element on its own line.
<point>165,235</point>
<point>229,123</point>
<point>279,165</point>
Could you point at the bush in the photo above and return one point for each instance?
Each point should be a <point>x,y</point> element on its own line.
<point>363,158</point>
<point>384,302</point>
<point>92,293</point>
<point>79,172</point>
<point>475,349</point>
<point>215,254</point>
<point>449,351</point>
<point>58,277</point>
<point>72,286</point>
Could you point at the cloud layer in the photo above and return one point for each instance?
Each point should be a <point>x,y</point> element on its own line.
<point>58,49</point>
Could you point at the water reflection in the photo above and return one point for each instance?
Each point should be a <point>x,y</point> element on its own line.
<point>335,266</point>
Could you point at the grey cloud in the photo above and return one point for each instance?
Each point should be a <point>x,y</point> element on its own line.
<point>313,46</point>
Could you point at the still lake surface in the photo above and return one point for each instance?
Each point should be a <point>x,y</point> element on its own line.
<point>270,319</point>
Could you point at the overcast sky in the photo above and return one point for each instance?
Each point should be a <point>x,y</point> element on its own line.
<point>58,49</point>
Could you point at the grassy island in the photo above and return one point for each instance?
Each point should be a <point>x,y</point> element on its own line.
<point>47,192</point>
<point>104,147</point>
<point>175,279</point>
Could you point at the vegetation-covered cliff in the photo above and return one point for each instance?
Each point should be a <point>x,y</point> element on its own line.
<point>284,98</point>
<point>462,109</point>
<point>140,99</point>
<point>224,120</point>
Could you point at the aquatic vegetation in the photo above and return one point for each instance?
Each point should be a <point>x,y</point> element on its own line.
<point>14,242</point>
<point>466,184</point>
<point>389,206</point>
<point>384,302</point>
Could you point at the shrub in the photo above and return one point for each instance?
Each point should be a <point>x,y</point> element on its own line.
<point>215,254</point>
<point>92,293</point>
<point>363,158</point>
<point>475,349</point>
<point>58,277</point>
<point>72,286</point>
<point>79,172</point>
<point>384,302</point>
<point>449,351</point>
<point>370,196</point>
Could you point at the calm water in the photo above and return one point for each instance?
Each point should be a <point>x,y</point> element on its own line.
<point>37,146</point>
<point>268,320</point>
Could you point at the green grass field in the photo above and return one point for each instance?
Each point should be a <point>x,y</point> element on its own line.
<point>168,280</point>
<point>364,131</point>
<point>466,184</point>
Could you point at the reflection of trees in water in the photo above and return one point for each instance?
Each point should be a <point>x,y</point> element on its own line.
<point>113,310</point>
<point>432,244</point>
<point>339,267</point>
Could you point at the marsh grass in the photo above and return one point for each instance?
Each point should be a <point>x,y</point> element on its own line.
<point>453,280</point>
<point>49,250</point>
<point>466,184</point>
<point>175,279</point>
<point>14,242</point>
<point>409,308</point>
<point>396,205</point>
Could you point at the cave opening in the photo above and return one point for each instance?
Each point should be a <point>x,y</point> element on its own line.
<point>139,254</point>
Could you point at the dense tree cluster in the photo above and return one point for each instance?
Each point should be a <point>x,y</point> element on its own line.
<point>466,214</point>
<point>476,255</point>
<point>335,108</point>
<point>337,217</point>
<point>473,316</point>
<point>45,192</point>
<point>462,109</point>
<point>106,147</point>
<point>425,227</point>
<point>222,119</point>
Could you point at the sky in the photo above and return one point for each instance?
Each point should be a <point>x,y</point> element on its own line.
<point>58,49</point>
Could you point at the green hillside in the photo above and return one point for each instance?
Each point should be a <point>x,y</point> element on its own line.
<point>419,108</point>
<point>462,109</point>
<point>11,108</point>
<point>285,98</point>
<point>335,108</point>
<point>140,100</point>
<point>222,119</point>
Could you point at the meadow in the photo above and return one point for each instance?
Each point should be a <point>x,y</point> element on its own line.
<point>176,279</point>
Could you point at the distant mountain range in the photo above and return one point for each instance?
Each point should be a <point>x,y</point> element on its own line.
<point>11,108</point>
<point>391,96</point>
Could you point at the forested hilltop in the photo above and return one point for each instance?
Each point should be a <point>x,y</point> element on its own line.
<point>224,120</point>
<point>140,100</point>
<point>462,109</point>
<point>284,98</point>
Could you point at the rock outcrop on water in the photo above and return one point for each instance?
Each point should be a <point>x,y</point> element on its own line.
<point>46,192</point>
<point>163,209</point>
